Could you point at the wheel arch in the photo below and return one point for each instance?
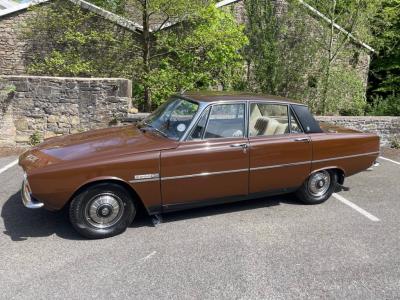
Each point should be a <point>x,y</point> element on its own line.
<point>134,195</point>
<point>340,172</point>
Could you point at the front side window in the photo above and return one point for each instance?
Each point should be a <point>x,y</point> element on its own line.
<point>198,131</point>
<point>172,119</point>
<point>226,121</point>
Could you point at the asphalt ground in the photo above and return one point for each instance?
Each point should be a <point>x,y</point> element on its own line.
<point>272,248</point>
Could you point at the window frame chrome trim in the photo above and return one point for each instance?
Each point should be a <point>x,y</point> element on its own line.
<point>293,113</point>
<point>186,136</point>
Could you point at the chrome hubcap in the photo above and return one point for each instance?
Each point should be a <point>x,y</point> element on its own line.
<point>319,183</point>
<point>104,210</point>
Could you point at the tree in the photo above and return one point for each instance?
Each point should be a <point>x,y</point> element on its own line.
<point>295,53</point>
<point>182,45</point>
<point>281,52</point>
<point>201,53</point>
<point>384,81</point>
<point>349,15</point>
<point>155,16</point>
<point>65,40</point>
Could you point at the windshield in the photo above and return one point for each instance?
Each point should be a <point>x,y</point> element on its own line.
<point>173,118</point>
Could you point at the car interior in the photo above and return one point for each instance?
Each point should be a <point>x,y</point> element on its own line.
<point>228,121</point>
<point>268,119</point>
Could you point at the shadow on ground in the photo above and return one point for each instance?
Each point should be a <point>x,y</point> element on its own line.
<point>230,208</point>
<point>21,223</point>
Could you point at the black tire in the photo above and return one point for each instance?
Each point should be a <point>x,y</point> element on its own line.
<point>310,194</point>
<point>102,210</point>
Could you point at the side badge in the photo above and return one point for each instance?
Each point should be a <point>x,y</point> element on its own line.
<point>147,176</point>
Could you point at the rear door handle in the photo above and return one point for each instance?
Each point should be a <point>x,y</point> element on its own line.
<point>244,146</point>
<point>302,140</point>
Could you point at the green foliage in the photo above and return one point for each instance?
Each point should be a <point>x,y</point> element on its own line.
<point>116,6</point>
<point>347,93</point>
<point>281,50</point>
<point>199,54</point>
<point>384,82</point>
<point>70,41</point>
<point>10,89</point>
<point>299,57</point>
<point>388,106</point>
<point>395,142</point>
<point>355,16</point>
<point>35,138</point>
<point>202,50</point>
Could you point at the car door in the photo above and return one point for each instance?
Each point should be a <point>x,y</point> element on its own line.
<point>212,164</point>
<point>280,152</point>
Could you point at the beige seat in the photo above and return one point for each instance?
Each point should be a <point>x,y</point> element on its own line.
<point>272,127</point>
<point>260,126</point>
<point>268,126</point>
<point>281,129</point>
<point>255,114</point>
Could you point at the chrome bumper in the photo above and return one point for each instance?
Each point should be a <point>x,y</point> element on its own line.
<point>27,199</point>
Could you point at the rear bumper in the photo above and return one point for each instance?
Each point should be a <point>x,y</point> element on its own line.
<point>27,199</point>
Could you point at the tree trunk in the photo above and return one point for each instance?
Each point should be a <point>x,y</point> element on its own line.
<point>330,58</point>
<point>146,56</point>
<point>326,88</point>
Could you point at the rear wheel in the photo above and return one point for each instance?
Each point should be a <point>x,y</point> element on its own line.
<point>102,210</point>
<point>318,187</point>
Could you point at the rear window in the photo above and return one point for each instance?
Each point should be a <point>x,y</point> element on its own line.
<point>309,124</point>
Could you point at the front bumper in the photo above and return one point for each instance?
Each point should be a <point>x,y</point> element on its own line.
<point>27,199</point>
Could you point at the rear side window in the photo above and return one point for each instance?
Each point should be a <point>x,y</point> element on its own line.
<point>294,125</point>
<point>309,124</point>
<point>268,119</point>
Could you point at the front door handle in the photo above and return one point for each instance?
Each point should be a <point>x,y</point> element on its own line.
<point>302,140</point>
<point>244,146</point>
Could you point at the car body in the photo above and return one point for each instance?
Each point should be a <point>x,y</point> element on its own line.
<point>200,149</point>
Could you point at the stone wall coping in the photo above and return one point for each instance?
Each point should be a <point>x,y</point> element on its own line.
<point>61,78</point>
<point>356,118</point>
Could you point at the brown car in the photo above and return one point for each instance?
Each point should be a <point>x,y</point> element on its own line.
<point>196,149</point>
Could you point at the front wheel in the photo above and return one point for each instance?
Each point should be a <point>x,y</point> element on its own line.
<point>102,210</point>
<point>318,187</point>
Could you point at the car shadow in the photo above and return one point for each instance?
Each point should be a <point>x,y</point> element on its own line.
<point>230,208</point>
<point>21,223</point>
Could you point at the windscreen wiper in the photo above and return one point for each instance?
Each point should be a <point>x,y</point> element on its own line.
<point>155,129</point>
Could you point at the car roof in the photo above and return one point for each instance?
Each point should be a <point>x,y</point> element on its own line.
<point>207,96</point>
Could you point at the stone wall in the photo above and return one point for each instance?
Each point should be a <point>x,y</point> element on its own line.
<point>386,127</point>
<point>12,49</point>
<point>33,106</point>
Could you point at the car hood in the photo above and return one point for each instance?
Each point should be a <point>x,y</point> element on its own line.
<point>94,145</point>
